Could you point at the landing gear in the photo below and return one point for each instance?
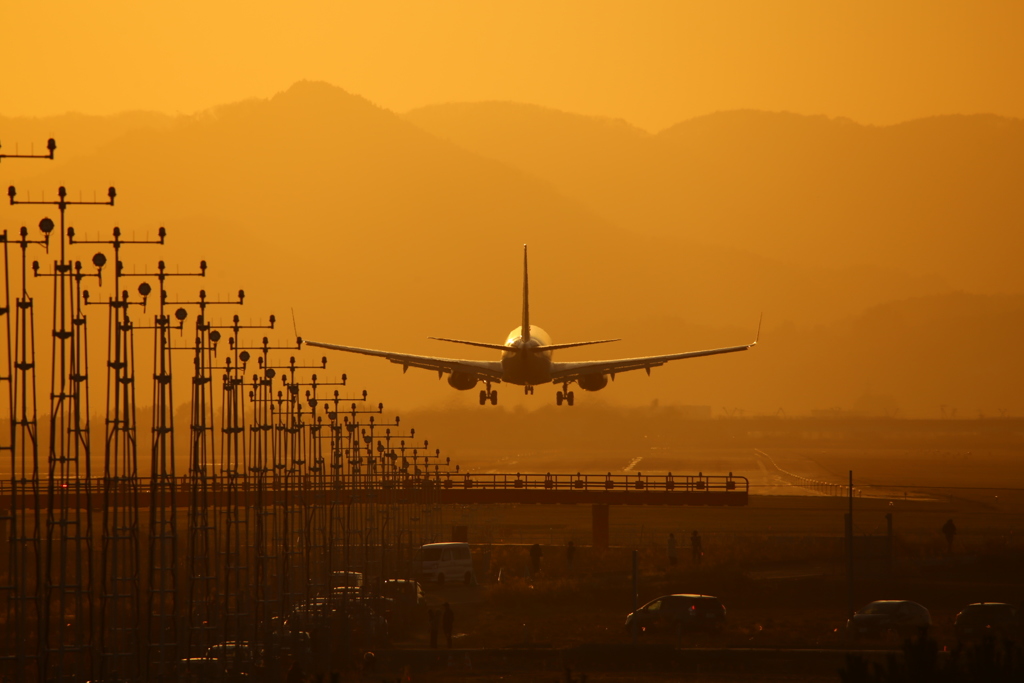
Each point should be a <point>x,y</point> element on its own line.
<point>529,390</point>
<point>488,394</point>
<point>564,395</point>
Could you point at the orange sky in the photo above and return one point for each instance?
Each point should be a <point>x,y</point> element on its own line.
<point>875,62</point>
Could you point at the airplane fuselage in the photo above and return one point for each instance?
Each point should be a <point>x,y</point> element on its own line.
<point>526,368</point>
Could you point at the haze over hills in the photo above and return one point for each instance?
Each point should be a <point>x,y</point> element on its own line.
<point>379,233</point>
<point>932,197</point>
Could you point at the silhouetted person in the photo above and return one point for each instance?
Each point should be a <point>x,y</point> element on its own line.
<point>570,553</point>
<point>696,547</point>
<point>535,554</point>
<point>673,551</point>
<point>434,618</point>
<point>949,531</point>
<point>448,621</point>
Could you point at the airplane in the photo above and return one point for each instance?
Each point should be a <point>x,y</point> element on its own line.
<point>526,360</point>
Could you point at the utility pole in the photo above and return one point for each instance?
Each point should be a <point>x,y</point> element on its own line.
<point>849,552</point>
<point>888,543</point>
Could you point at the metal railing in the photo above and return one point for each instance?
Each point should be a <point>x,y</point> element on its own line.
<point>444,481</point>
<point>597,482</point>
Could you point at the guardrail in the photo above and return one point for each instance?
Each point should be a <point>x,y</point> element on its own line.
<point>597,482</point>
<point>529,486</point>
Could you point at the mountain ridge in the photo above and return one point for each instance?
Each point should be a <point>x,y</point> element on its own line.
<point>912,197</point>
<point>379,233</point>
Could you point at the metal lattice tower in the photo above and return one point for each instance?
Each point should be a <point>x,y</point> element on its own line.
<point>204,613</point>
<point>19,446</point>
<point>120,650</point>
<point>67,574</point>
<point>325,480</point>
<point>25,567</point>
<point>234,470</point>
<point>262,488</point>
<point>162,611</point>
<point>285,493</point>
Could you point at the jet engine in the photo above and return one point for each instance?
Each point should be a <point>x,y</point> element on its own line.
<point>462,381</point>
<point>593,382</point>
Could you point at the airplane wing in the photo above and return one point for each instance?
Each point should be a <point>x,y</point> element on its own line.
<point>567,372</point>
<point>488,370</point>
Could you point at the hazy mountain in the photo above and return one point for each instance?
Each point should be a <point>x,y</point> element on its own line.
<point>315,172</point>
<point>929,197</point>
<point>378,233</point>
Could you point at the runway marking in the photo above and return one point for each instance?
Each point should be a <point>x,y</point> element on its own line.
<point>633,463</point>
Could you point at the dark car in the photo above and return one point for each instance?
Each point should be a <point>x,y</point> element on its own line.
<point>406,593</point>
<point>877,619</point>
<point>679,612</point>
<point>407,605</point>
<point>367,619</point>
<point>292,645</point>
<point>233,660</point>
<point>201,670</point>
<point>981,619</point>
<point>238,656</point>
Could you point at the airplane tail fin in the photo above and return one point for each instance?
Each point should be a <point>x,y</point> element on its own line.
<point>525,331</point>
<point>295,327</point>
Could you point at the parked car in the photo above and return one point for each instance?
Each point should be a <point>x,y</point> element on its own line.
<point>407,605</point>
<point>201,670</point>
<point>905,618</point>
<point>367,619</point>
<point>445,562</point>
<point>679,612</point>
<point>981,619</point>
<point>238,656</point>
<point>234,660</point>
<point>342,594</point>
<point>291,645</point>
<point>348,579</point>
<point>406,593</point>
<point>309,612</point>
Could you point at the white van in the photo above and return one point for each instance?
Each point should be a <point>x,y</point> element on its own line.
<point>445,562</point>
